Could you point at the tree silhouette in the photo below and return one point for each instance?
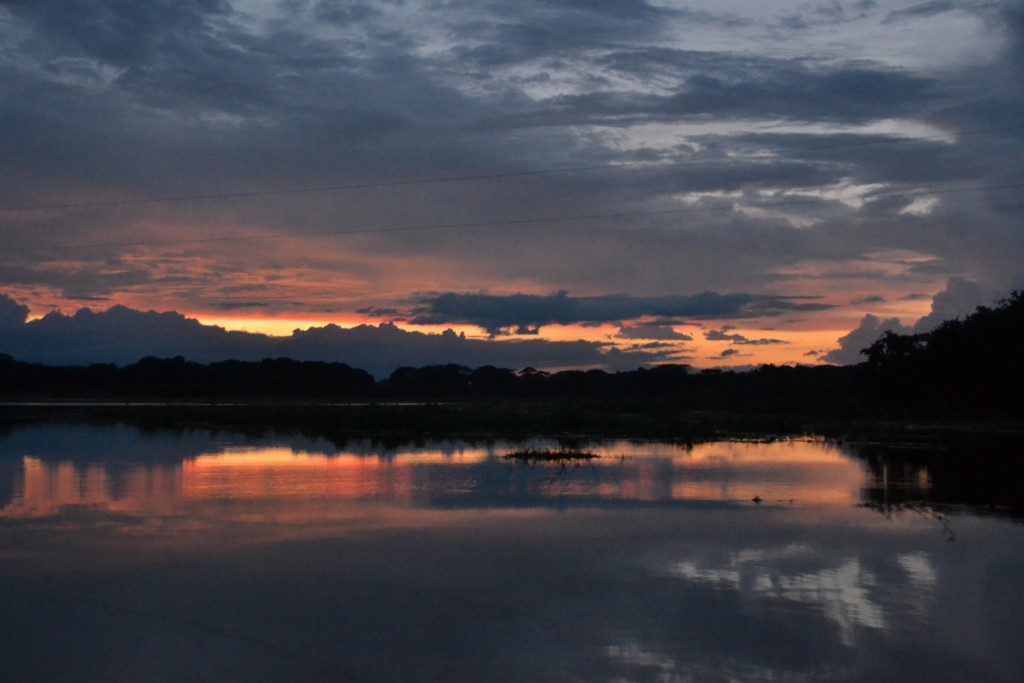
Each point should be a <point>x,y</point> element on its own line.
<point>969,367</point>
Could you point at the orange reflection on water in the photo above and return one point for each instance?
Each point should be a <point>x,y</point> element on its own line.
<point>805,471</point>
<point>802,472</point>
<point>278,473</point>
<point>799,470</point>
<point>48,488</point>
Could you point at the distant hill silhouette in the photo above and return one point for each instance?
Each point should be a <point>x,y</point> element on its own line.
<point>969,367</point>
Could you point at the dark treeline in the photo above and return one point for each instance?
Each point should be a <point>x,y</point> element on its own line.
<point>769,388</point>
<point>968,367</point>
<point>180,379</point>
<point>971,366</point>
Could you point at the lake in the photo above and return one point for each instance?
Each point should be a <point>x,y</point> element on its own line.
<point>192,555</point>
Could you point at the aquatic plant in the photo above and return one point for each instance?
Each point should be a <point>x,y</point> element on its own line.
<point>558,455</point>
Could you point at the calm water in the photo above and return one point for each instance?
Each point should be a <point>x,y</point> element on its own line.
<point>211,557</point>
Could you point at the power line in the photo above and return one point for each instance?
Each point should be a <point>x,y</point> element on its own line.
<point>476,177</point>
<point>498,223</point>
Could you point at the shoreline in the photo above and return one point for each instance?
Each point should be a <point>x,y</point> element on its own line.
<point>567,420</point>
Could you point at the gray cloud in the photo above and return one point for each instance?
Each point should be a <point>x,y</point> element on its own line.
<point>114,100</point>
<point>871,327</point>
<point>523,312</point>
<point>618,360</point>
<point>960,298</point>
<point>12,314</point>
<point>122,335</point>
<point>723,335</point>
<point>925,9</point>
<point>659,332</point>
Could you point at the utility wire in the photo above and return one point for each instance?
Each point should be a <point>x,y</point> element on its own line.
<point>479,177</point>
<point>497,223</point>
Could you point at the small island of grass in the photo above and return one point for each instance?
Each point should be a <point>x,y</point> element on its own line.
<point>560,455</point>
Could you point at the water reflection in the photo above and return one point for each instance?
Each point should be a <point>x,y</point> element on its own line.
<point>203,556</point>
<point>842,593</point>
<point>791,472</point>
<point>984,474</point>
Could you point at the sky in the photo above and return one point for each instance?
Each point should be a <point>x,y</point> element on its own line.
<point>550,184</point>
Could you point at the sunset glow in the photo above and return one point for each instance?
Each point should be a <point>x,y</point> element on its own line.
<point>607,185</point>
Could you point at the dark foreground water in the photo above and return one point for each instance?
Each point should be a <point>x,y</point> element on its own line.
<point>211,557</point>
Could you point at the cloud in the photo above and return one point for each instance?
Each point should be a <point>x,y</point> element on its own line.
<point>824,113</point>
<point>871,327</point>
<point>960,298</point>
<point>526,313</point>
<point>658,332</point>
<point>380,312</point>
<point>722,335</point>
<point>924,9</point>
<point>12,314</point>
<point>634,357</point>
<point>380,349</point>
<point>122,335</point>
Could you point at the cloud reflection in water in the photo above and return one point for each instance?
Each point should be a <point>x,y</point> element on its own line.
<point>446,562</point>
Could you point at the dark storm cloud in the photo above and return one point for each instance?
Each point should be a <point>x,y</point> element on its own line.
<point>525,313</point>
<point>123,335</point>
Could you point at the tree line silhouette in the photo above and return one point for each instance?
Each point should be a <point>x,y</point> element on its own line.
<point>969,367</point>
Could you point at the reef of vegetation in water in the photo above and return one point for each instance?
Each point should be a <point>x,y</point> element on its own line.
<point>556,455</point>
